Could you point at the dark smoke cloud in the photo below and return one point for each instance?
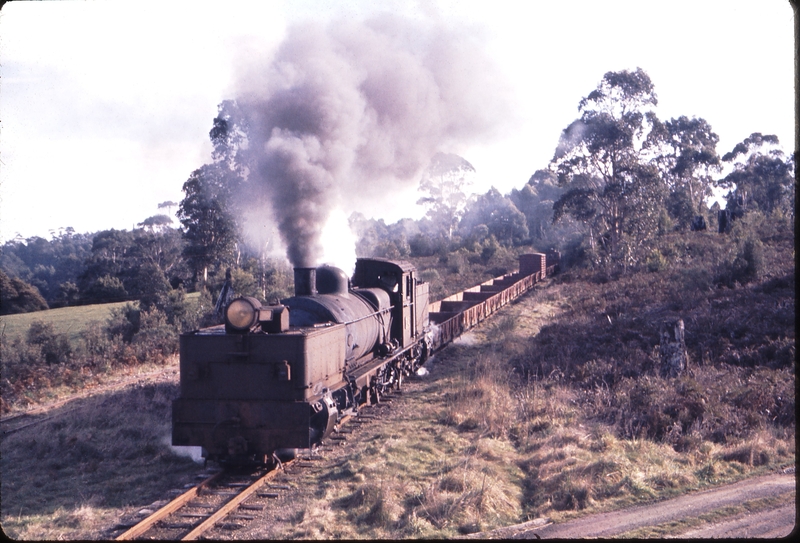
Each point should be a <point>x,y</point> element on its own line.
<point>348,111</point>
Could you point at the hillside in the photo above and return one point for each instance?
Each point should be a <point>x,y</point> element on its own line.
<point>554,407</point>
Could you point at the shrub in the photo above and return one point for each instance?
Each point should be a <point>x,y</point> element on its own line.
<point>746,267</point>
<point>156,339</point>
<point>17,296</point>
<point>105,289</point>
<point>55,348</point>
<point>656,261</point>
<point>422,245</point>
<point>149,285</point>
<point>244,284</point>
<point>429,276</point>
<point>749,263</point>
<point>124,322</point>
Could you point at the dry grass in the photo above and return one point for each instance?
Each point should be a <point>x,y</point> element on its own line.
<point>74,475</point>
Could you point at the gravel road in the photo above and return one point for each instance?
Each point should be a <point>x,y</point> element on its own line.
<point>777,522</point>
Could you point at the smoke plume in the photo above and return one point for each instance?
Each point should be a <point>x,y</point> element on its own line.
<point>351,111</point>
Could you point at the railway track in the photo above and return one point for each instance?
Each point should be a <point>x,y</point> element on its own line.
<point>229,496</point>
<point>225,498</point>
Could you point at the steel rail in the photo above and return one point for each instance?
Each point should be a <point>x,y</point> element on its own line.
<point>230,506</point>
<point>171,507</point>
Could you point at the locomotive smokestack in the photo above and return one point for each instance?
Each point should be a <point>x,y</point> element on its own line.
<point>305,281</point>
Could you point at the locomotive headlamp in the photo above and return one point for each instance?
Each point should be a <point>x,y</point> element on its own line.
<point>242,314</point>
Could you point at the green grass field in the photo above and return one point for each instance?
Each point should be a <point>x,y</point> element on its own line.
<point>66,320</point>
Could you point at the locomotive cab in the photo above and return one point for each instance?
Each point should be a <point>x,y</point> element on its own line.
<point>408,295</point>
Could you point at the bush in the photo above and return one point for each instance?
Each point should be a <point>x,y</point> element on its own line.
<point>150,286</point>
<point>579,254</point>
<point>104,290</point>
<point>124,322</point>
<point>749,263</point>
<point>429,276</point>
<point>55,348</point>
<point>244,284</point>
<point>156,338</point>
<point>747,267</point>
<point>17,296</point>
<point>656,261</point>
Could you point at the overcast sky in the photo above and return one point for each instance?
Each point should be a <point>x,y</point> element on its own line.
<point>105,107</point>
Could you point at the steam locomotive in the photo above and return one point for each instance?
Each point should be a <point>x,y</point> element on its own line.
<point>281,376</point>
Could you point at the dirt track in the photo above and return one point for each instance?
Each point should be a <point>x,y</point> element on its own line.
<point>777,522</point>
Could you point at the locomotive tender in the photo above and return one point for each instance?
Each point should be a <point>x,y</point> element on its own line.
<point>281,376</point>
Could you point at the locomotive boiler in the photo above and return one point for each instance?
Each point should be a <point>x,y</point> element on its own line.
<point>280,376</point>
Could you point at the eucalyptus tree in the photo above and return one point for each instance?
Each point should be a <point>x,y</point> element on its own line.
<point>445,184</point>
<point>209,211</point>
<point>762,176</point>
<point>500,216</point>
<point>209,220</point>
<point>535,200</point>
<point>611,183</point>
<point>687,158</point>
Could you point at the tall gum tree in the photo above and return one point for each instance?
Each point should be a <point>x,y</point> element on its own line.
<point>209,210</point>
<point>687,160</point>
<point>210,228</point>
<point>445,185</point>
<point>761,176</point>
<point>603,163</point>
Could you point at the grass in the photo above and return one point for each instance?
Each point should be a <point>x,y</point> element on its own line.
<point>74,475</point>
<point>71,320</point>
<point>77,348</point>
<point>66,320</point>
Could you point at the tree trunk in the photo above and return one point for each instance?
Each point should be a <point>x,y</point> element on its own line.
<point>674,358</point>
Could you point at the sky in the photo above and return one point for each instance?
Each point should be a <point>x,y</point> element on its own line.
<point>105,107</point>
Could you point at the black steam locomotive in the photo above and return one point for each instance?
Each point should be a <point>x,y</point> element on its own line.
<point>281,376</point>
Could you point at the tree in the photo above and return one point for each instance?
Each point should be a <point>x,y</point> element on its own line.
<point>762,176</point>
<point>47,264</point>
<point>502,218</point>
<point>17,296</point>
<point>104,289</point>
<point>445,182</point>
<point>155,223</point>
<point>210,212</point>
<point>107,267</point>
<point>169,204</point>
<point>602,163</point>
<point>230,137</point>
<point>149,285</point>
<point>535,200</point>
<point>210,225</point>
<point>687,157</point>
<point>162,248</point>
